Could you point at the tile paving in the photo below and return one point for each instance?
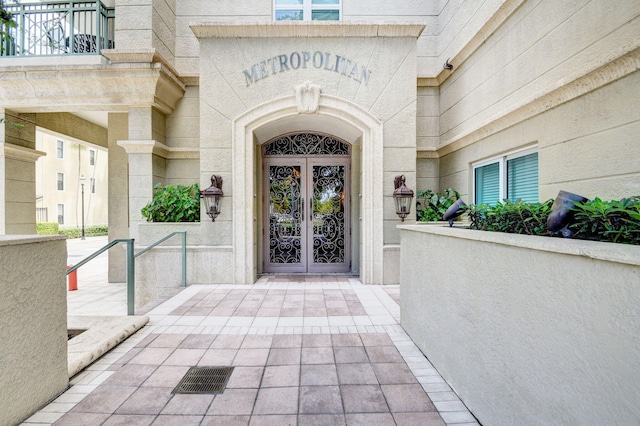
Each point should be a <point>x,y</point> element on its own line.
<point>305,351</point>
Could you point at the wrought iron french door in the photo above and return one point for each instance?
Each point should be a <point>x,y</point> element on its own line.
<point>307,225</point>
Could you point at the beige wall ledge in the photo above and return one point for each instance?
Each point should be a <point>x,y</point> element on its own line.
<point>611,252</point>
<point>265,29</point>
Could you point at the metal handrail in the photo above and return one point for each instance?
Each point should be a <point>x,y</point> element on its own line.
<point>70,27</point>
<point>131,269</point>
<point>131,265</point>
<point>184,252</point>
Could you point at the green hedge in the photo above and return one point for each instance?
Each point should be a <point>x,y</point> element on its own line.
<point>615,221</point>
<point>47,228</point>
<point>90,231</point>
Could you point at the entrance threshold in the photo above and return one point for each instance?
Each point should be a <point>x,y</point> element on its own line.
<point>301,278</point>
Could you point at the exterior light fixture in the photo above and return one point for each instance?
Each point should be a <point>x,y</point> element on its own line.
<point>213,197</point>
<point>402,197</point>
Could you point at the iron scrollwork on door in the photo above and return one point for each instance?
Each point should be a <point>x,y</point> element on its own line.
<point>305,144</point>
<point>285,215</point>
<point>328,214</point>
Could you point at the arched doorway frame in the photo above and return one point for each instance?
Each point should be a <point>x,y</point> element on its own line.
<point>245,226</point>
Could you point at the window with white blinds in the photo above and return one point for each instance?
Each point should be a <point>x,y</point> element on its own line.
<point>522,178</point>
<point>513,177</point>
<point>307,10</point>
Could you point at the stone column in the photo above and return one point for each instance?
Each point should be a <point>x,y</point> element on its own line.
<point>118,194</point>
<point>18,173</point>
<point>146,126</point>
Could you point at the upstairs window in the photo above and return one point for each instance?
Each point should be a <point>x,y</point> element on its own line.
<point>92,157</point>
<point>513,177</point>
<point>92,185</point>
<point>307,10</point>
<point>61,214</point>
<point>60,181</point>
<point>60,149</point>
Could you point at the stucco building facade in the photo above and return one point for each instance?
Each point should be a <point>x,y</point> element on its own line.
<point>539,96</point>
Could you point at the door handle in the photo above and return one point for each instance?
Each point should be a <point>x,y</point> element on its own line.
<point>302,208</point>
<point>311,209</point>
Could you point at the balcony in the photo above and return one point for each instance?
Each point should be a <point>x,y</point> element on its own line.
<point>60,28</point>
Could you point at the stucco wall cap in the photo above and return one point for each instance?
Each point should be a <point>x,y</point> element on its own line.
<point>305,29</point>
<point>620,253</point>
<point>12,240</point>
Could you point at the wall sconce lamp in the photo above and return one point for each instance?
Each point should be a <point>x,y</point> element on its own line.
<point>402,197</point>
<point>447,65</point>
<point>213,197</point>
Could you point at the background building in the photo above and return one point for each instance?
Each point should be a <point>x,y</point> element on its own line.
<point>59,185</point>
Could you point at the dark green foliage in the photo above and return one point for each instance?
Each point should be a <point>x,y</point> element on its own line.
<point>434,205</point>
<point>47,228</point>
<point>173,204</point>
<point>614,221</point>
<point>6,21</point>
<point>513,217</point>
<point>596,220</point>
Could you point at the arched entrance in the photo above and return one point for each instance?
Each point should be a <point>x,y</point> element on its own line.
<point>337,114</point>
<point>306,219</point>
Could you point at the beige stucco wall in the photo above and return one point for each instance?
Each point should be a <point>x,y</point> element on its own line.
<point>526,330</point>
<point>587,146</point>
<point>33,324</point>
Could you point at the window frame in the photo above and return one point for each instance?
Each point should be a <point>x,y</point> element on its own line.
<point>60,184</point>
<point>502,169</point>
<point>307,8</point>
<point>60,149</point>
<point>60,217</point>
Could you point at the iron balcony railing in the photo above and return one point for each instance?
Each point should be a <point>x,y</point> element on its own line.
<point>58,28</point>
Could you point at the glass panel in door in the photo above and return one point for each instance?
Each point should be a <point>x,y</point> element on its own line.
<point>329,226</point>
<point>285,247</point>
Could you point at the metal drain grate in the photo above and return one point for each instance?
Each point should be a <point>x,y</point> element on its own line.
<point>204,380</point>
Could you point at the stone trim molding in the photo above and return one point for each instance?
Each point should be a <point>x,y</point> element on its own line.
<point>488,29</point>
<point>18,152</point>
<point>302,29</point>
<point>159,149</point>
<point>114,87</point>
<point>308,98</point>
<point>608,70</point>
<point>610,252</point>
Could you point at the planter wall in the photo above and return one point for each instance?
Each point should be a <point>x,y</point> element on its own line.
<point>33,324</point>
<point>527,330</point>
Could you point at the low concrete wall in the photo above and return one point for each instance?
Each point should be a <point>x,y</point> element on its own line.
<point>527,330</point>
<point>159,271</point>
<point>33,324</point>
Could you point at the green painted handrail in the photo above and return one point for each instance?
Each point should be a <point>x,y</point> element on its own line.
<point>131,269</point>
<point>131,265</point>
<point>184,252</point>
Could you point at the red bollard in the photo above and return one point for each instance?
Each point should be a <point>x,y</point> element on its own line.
<point>72,279</point>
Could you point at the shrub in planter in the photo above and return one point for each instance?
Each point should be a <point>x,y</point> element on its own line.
<point>47,228</point>
<point>173,204</point>
<point>434,204</point>
<point>597,220</point>
<point>614,221</point>
<point>516,217</point>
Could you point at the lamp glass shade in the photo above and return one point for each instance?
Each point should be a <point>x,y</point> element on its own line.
<point>402,197</point>
<point>213,197</point>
